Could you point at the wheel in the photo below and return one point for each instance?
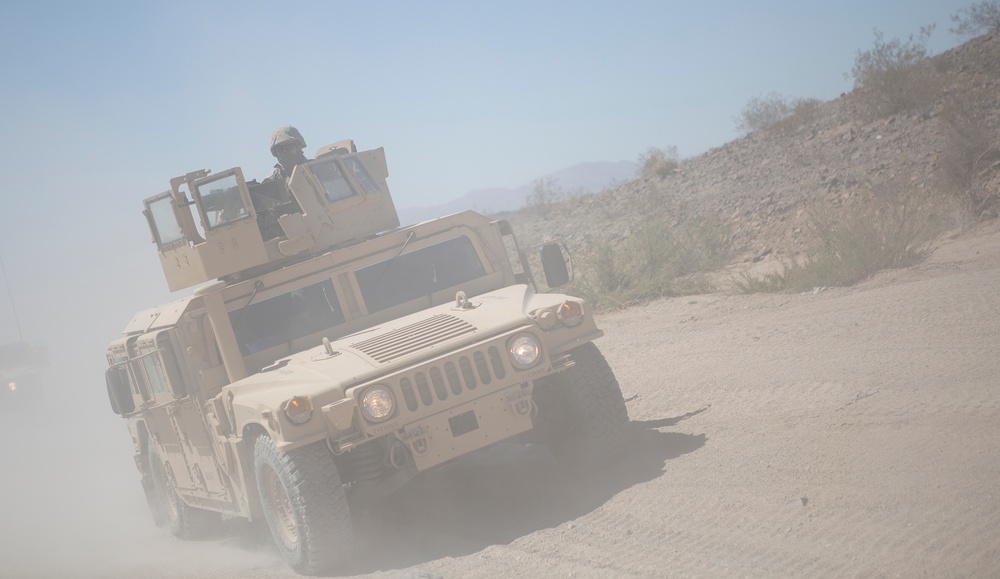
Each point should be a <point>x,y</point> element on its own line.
<point>186,522</point>
<point>156,499</point>
<point>305,505</point>
<point>582,413</point>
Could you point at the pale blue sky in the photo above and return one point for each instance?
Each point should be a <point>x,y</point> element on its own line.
<point>103,102</point>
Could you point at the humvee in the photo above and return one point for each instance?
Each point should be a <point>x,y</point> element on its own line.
<point>21,377</point>
<point>329,355</point>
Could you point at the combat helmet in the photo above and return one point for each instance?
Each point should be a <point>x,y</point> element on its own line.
<point>285,134</point>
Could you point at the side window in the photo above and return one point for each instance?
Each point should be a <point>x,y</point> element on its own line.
<point>286,317</point>
<point>419,273</point>
<point>139,379</point>
<point>330,177</point>
<point>221,201</point>
<point>151,364</point>
<point>170,367</point>
<point>165,226</point>
<point>360,174</point>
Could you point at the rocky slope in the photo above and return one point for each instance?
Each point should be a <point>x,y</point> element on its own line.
<point>763,184</point>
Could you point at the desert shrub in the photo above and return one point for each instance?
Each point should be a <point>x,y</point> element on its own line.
<point>972,151</point>
<point>762,283</point>
<point>547,192</point>
<point>889,228</point>
<point>659,162</point>
<point>895,76</point>
<point>773,109</point>
<point>804,111</point>
<point>658,260</point>
<point>976,19</point>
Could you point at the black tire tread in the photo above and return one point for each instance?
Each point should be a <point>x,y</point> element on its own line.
<point>319,501</point>
<point>190,523</point>
<point>594,434</point>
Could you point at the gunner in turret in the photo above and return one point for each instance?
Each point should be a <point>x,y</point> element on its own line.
<point>286,146</point>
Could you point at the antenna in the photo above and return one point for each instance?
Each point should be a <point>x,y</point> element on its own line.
<point>17,322</point>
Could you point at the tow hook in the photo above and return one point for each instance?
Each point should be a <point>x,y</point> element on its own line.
<point>521,403</point>
<point>418,440</point>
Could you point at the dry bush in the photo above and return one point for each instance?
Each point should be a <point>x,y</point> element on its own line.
<point>891,227</point>
<point>547,192</point>
<point>775,110</point>
<point>895,76</point>
<point>971,153</point>
<point>804,111</point>
<point>976,19</point>
<point>659,162</point>
<point>659,260</point>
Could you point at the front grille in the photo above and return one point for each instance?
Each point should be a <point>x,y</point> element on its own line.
<point>413,338</point>
<point>438,381</point>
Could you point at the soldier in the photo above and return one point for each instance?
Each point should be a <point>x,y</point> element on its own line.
<point>286,146</point>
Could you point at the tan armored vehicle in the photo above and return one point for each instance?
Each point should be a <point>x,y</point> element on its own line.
<point>330,355</point>
<point>21,377</point>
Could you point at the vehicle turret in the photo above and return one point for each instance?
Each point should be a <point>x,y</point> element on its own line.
<point>220,226</point>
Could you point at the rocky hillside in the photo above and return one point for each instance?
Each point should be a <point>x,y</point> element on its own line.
<point>763,184</point>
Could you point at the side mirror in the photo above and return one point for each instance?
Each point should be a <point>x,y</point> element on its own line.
<point>555,265</point>
<point>119,393</point>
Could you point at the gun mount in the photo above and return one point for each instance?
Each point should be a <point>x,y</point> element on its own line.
<point>247,228</point>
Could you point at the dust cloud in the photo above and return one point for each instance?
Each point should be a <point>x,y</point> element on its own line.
<point>71,504</point>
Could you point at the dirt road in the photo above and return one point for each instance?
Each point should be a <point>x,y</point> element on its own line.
<point>846,432</point>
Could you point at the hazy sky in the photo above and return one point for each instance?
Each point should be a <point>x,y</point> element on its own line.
<point>103,102</point>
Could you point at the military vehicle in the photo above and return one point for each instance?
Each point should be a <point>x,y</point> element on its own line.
<point>329,355</point>
<point>21,377</point>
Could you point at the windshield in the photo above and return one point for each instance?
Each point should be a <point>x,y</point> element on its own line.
<point>165,226</point>
<point>221,202</point>
<point>286,317</point>
<point>419,273</point>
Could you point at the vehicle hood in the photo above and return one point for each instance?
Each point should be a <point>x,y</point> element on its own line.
<point>381,349</point>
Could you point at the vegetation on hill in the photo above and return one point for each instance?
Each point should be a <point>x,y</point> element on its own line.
<point>829,192</point>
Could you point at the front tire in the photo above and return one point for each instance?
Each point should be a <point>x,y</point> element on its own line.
<point>305,505</point>
<point>582,412</point>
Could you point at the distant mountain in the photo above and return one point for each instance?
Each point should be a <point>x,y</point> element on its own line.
<point>576,180</point>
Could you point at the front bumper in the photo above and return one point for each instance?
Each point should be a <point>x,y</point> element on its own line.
<point>468,427</point>
<point>449,405</point>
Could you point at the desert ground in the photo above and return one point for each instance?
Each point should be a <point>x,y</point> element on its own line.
<point>837,433</point>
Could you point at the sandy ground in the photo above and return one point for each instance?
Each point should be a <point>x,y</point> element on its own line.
<point>845,432</point>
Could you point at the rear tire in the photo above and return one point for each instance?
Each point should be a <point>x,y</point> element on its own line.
<point>156,499</point>
<point>186,522</point>
<point>582,412</point>
<point>305,505</point>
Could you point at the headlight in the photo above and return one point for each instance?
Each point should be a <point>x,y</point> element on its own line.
<point>524,350</point>
<point>299,409</point>
<point>12,386</point>
<point>378,403</point>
